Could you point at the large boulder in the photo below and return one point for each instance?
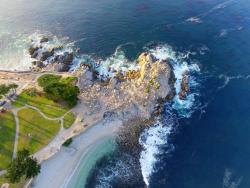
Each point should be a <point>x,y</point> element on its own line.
<point>184,85</point>
<point>38,64</point>
<point>44,39</point>
<point>46,54</point>
<point>32,50</point>
<point>85,79</point>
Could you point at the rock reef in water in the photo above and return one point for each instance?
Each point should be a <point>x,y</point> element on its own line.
<point>45,56</point>
<point>184,85</point>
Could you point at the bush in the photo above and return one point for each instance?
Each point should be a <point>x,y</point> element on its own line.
<point>68,142</point>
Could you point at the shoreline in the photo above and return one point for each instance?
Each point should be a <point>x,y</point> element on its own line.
<point>68,160</point>
<point>101,114</point>
<point>92,151</point>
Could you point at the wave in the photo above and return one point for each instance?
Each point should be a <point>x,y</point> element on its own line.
<point>157,136</point>
<point>227,79</point>
<point>151,140</point>
<point>109,67</point>
<point>118,169</point>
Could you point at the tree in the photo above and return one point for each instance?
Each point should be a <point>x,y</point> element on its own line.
<point>13,87</point>
<point>62,92</point>
<point>4,89</point>
<point>22,166</point>
<point>48,79</point>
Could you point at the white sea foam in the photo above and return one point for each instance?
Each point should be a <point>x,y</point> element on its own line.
<point>60,45</point>
<point>156,136</point>
<point>194,19</point>
<point>121,167</point>
<point>152,139</point>
<point>12,56</point>
<point>115,63</point>
<point>230,180</point>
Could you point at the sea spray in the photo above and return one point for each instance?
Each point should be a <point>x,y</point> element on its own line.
<point>152,139</point>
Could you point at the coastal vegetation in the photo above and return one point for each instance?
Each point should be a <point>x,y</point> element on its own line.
<point>20,184</point>
<point>38,99</point>
<point>22,166</point>
<point>59,89</point>
<point>68,142</point>
<point>40,112</point>
<point>35,130</point>
<point>7,138</point>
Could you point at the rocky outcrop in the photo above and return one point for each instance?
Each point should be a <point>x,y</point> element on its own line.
<point>46,54</point>
<point>184,86</point>
<point>42,51</point>
<point>32,50</point>
<point>44,39</point>
<point>38,64</point>
<point>138,94</point>
<point>130,132</point>
<point>85,79</point>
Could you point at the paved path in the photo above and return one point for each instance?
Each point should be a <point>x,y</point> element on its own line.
<point>42,114</point>
<point>17,132</point>
<point>15,111</point>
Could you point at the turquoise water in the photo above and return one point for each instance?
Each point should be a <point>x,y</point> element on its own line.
<point>79,177</point>
<point>207,144</point>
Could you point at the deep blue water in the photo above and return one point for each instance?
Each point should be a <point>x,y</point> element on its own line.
<point>211,148</point>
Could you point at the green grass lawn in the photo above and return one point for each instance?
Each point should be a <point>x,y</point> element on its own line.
<point>47,106</point>
<point>7,138</point>
<point>69,119</point>
<point>35,131</point>
<point>16,185</point>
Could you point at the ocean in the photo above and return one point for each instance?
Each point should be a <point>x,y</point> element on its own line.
<point>201,142</point>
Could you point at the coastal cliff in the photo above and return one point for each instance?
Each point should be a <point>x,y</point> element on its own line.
<point>133,94</point>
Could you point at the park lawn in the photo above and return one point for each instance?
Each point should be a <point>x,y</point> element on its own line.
<point>47,106</point>
<point>7,138</point>
<point>35,131</point>
<point>68,120</point>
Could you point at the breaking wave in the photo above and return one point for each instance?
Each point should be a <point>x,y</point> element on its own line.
<point>158,135</point>
<point>152,139</point>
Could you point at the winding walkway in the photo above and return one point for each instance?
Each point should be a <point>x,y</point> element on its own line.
<point>15,113</point>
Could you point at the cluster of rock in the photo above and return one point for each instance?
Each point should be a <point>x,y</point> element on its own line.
<point>184,85</point>
<point>135,95</point>
<point>43,53</point>
<point>131,131</point>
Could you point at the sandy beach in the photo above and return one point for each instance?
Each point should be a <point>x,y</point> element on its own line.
<point>58,170</point>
